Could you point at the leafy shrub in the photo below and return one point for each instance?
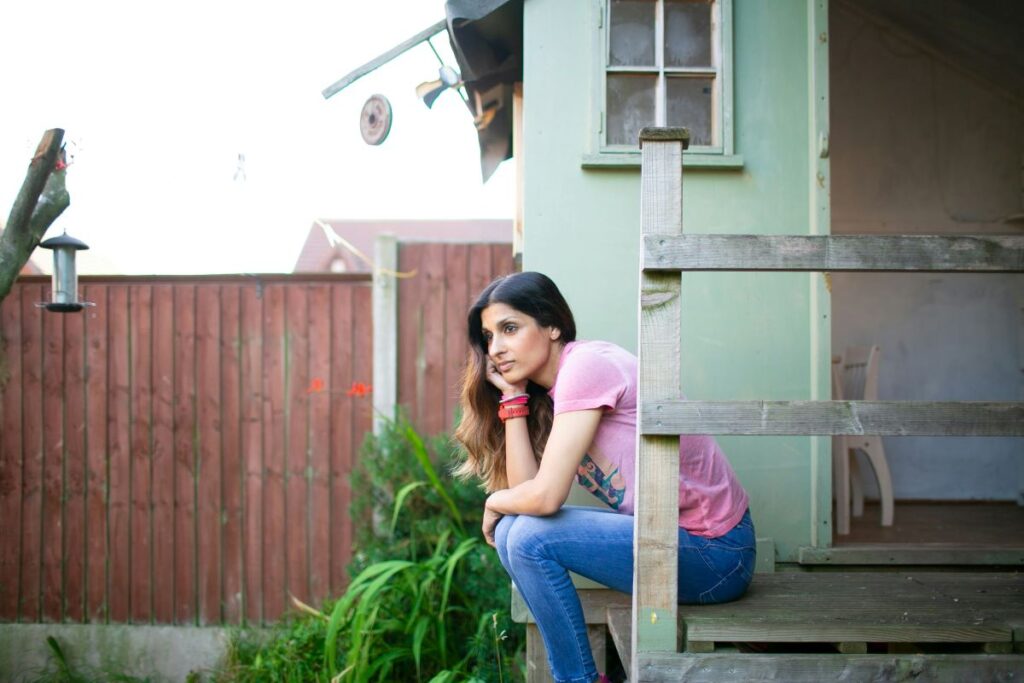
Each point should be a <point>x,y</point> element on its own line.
<point>428,599</point>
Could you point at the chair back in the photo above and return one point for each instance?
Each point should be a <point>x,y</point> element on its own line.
<point>860,373</point>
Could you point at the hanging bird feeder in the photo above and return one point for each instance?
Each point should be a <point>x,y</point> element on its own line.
<point>65,277</point>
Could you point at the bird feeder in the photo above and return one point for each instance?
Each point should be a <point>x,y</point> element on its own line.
<point>65,277</point>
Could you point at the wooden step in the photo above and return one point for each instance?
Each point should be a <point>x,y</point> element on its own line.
<point>713,668</point>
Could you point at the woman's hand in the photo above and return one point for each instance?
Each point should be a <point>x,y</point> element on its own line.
<point>495,378</point>
<point>491,519</point>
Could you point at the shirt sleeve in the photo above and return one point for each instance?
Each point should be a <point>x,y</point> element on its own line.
<point>588,380</point>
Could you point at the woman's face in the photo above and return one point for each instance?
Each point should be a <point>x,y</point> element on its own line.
<point>519,347</point>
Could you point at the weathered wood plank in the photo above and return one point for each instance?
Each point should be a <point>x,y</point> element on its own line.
<point>929,253</point>
<point>52,588</point>
<point>620,623</point>
<point>456,304</point>
<point>883,418</point>
<point>712,668</point>
<point>119,434</point>
<point>430,358</point>
<point>655,563</point>
<point>74,467</point>
<point>410,303</point>
<point>912,554</point>
<point>343,442</point>
<point>163,454</point>
<point>319,443</point>
<point>297,381</point>
<point>208,471</point>
<point>96,542</point>
<point>231,465</point>
<point>185,579</point>
<point>252,451</point>
<point>274,450</point>
<point>385,328</point>
<point>140,303</point>
<point>10,453</point>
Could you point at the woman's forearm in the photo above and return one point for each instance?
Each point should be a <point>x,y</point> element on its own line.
<point>520,463</point>
<point>528,498</point>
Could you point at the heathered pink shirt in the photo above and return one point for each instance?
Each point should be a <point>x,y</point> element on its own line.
<point>595,374</point>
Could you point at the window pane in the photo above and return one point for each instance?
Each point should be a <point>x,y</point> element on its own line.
<point>688,33</point>
<point>689,106</point>
<point>632,33</point>
<point>630,107</point>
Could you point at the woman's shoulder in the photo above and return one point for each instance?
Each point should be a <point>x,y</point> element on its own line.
<point>592,354</point>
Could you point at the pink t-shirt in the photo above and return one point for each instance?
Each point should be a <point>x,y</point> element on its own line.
<point>595,374</point>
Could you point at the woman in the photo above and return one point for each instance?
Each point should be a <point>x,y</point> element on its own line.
<point>541,409</point>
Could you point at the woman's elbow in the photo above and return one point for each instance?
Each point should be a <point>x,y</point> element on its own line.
<point>549,502</point>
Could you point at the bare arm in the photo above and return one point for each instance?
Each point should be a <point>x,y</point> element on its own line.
<point>520,463</point>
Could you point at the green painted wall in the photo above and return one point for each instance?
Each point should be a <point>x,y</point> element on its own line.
<point>747,335</point>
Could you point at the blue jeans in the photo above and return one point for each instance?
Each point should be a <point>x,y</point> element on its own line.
<point>539,552</point>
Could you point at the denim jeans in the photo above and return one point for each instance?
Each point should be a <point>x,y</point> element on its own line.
<point>539,552</point>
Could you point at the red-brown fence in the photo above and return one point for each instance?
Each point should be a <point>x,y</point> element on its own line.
<point>180,452</point>
<point>432,310</point>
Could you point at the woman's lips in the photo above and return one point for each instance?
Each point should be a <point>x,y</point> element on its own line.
<point>504,367</point>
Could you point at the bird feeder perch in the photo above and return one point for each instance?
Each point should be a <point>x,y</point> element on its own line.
<point>65,278</point>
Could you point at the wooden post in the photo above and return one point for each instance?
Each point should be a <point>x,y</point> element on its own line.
<point>655,533</point>
<point>385,330</point>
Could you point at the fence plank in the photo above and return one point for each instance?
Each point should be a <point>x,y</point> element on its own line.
<point>456,304</point>
<point>252,449</point>
<point>430,387</point>
<point>74,467</point>
<point>931,253</point>
<point>410,301</point>
<point>362,362</point>
<point>882,418</point>
<point>32,449</point>
<point>185,570</point>
<point>53,465</point>
<point>319,436</point>
<point>274,449</point>
<point>163,454</point>
<point>140,349</point>
<point>10,455</point>
<point>208,472</point>
<point>297,410</point>
<point>119,443</point>
<point>344,329</point>
<point>96,397</point>
<point>502,259</point>
<point>231,464</point>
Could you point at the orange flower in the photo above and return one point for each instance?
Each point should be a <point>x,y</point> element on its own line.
<point>359,389</point>
<point>316,386</point>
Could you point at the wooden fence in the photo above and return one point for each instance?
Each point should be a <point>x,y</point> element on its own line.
<point>180,453</point>
<point>432,310</point>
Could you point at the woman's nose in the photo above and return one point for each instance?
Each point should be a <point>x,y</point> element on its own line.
<point>495,347</point>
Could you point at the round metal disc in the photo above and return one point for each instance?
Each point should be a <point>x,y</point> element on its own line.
<point>375,120</point>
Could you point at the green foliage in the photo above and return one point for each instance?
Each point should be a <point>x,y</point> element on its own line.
<point>428,599</point>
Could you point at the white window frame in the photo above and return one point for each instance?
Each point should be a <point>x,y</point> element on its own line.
<point>720,154</point>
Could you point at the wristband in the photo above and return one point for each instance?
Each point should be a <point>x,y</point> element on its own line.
<point>508,412</point>
<point>515,400</point>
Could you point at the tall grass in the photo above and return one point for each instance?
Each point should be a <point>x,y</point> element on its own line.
<point>428,600</point>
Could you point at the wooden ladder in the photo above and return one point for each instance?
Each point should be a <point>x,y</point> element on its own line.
<point>652,627</point>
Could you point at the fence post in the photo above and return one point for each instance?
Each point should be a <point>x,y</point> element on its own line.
<point>655,531</point>
<point>385,329</point>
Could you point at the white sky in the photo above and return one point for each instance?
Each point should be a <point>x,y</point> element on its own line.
<point>159,99</point>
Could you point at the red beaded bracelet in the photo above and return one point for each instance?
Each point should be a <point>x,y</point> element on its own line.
<point>517,400</point>
<point>507,412</point>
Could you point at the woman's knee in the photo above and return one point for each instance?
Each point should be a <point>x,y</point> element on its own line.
<point>523,536</point>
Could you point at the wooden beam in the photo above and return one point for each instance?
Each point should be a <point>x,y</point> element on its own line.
<point>909,554</point>
<point>382,59</point>
<point>931,253</point>
<point>620,621</point>
<point>712,668</point>
<point>656,525</point>
<point>880,418</point>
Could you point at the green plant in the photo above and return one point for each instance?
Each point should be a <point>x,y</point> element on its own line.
<point>428,599</point>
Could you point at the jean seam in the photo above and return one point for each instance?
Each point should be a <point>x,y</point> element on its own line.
<point>721,581</point>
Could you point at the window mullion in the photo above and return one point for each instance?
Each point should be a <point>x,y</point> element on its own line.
<point>659,61</point>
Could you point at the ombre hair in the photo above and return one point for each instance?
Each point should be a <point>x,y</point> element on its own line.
<point>481,432</point>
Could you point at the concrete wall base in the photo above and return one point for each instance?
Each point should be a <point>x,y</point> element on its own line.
<point>156,653</point>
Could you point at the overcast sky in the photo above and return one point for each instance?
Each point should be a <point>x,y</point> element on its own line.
<point>159,99</point>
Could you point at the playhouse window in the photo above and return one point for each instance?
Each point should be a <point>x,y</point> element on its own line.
<point>666,63</point>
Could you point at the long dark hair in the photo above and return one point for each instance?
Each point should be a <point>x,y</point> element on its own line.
<point>481,432</point>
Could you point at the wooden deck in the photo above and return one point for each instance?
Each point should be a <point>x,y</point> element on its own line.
<point>863,624</point>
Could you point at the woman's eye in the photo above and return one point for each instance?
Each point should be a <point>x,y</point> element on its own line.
<point>509,329</point>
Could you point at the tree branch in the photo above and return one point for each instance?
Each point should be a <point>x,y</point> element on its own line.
<point>43,197</point>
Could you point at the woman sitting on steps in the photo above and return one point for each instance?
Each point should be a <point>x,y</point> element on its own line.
<point>541,409</point>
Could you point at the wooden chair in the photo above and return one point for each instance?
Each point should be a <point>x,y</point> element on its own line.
<point>855,378</point>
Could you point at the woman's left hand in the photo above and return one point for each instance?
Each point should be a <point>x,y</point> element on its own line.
<point>491,519</point>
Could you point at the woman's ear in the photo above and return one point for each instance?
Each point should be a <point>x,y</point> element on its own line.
<point>554,333</point>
